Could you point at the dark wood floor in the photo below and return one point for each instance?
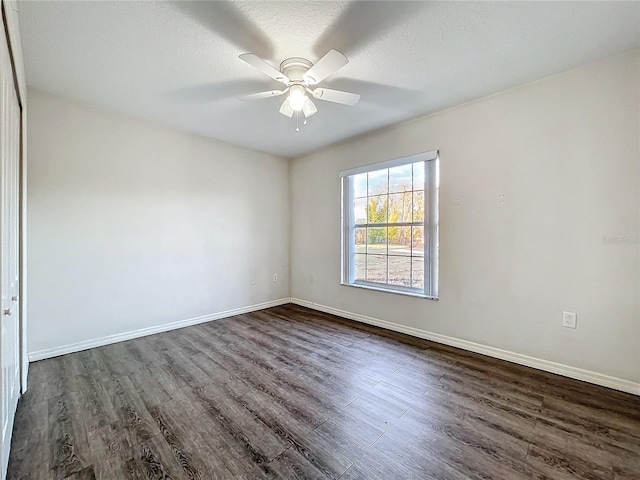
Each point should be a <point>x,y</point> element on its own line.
<point>293,393</point>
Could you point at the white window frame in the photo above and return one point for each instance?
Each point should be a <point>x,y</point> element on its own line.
<point>431,161</point>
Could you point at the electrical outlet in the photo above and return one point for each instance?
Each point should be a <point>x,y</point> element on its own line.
<point>275,277</point>
<point>501,198</point>
<point>569,319</point>
<point>456,201</point>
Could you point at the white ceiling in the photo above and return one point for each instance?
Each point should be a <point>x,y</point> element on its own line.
<point>176,62</point>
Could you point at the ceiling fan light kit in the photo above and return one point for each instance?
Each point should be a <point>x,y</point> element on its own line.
<point>297,97</point>
<point>299,75</point>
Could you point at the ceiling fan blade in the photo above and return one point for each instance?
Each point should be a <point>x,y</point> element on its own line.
<point>259,64</point>
<point>327,65</point>
<point>336,96</point>
<point>286,109</point>
<point>261,95</point>
<point>361,23</point>
<point>230,21</point>
<point>309,108</point>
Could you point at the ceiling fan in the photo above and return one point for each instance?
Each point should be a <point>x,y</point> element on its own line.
<point>300,76</point>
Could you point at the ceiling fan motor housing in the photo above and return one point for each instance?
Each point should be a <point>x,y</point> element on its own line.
<point>295,68</point>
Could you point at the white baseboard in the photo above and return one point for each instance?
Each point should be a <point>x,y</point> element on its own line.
<point>537,363</point>
<point>121,337</point>
<point>533,362</point>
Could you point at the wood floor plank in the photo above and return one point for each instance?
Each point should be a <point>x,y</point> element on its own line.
<point>622,473</point>
<point>624,440</point>
<point>290,393</point>
<point>596,415</point>
<point>281,352</point>
<point>29,445</point>
<point>145,349</point>
<point>180,366</point>
<point>383,402</point>
<point>428,464</point>
<point>95,401</point>
<point>224,452</point>
<point>111,453</point>
<point>134,419</point>
<point>83,362</point>
<point>322,451</point>
<point>67,437</point>
<point>154,385</point>
<point>361,426</point>
<point>243,425</point>
<point>58,378</point>
<point>84,474</point>
<point>564,465</point>
<point>472,399</point>
<point>175,429</point>
<point>368,461</point>
<point>451,435</point>
<point>491,387</point>
<point>292,464</point>
<point>153,460</point>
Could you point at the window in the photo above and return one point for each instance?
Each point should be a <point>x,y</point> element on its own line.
<point>390,225</point>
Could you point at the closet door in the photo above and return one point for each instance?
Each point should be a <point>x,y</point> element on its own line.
<point>9,247</point>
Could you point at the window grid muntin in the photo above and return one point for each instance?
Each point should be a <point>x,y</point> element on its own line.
<point>413,189</point>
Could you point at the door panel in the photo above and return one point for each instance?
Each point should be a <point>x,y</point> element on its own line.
<point>10,124</point>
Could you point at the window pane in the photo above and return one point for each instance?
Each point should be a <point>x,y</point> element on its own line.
<point>378,182</point>
<point>418,176</point>
<point>386,245</point>
<point>359,185</point>
<point>400,271</point>
<point>418,206</point>
<point>377,240</point>
<point>361,267</point>
<point>417,241</point>
<point>377,209</point>
<point>417,272</point>
<point>400,179</point>
<point>400,241</point>
<point>361,240</point>
<point>360,210</point>
<point>377,268</point>
<point>400,207</point>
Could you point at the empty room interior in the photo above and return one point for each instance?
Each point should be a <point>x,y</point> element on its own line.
<point>320,240</point>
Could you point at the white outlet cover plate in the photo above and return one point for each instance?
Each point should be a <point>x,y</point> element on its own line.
<point>569,319</point>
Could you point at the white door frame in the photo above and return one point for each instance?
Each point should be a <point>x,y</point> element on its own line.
<point>12,31</point>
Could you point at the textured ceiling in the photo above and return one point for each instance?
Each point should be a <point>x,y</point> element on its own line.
<point>176,62</point>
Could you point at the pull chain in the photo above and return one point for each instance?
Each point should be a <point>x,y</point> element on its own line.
<point>297,119</point>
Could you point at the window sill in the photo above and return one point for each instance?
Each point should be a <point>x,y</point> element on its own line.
<point>389,290</point>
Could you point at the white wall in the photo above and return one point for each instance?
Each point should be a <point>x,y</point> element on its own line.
<point>565,151</point>
<point>133,225</point>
